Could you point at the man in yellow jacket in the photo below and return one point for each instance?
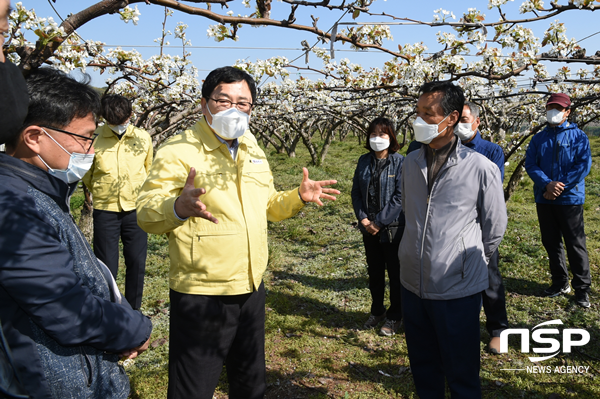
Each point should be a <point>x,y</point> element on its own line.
<point>122,161</point>
<point>218,239</point>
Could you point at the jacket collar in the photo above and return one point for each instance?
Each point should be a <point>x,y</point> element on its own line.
<point>566,125</point>
<point>475,142</point>
<point>454,157</point>
<point>58,190</point>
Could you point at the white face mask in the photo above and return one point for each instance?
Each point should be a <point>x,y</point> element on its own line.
<point>379,143</point>
<point>425,132</point>
<point>230,123</point>
<point>78,166</point>
<point>554,116</point>
<point>464,131</point>
<point>119,129</point>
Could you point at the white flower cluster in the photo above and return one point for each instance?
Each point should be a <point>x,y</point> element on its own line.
<point>531,5</point>
<point>130,14</point>
<point>497,3</point>
<point>442,15</point>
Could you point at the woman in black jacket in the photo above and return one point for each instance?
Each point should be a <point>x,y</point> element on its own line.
<point>376,198</point>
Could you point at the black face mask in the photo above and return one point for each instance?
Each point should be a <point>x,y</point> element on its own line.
<point>13,101</point>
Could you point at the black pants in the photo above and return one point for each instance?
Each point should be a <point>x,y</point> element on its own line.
<point>494,300</point>
<point>565,221</point>
<point>442,338</point>
<point>207,331</point>
<point>382,257</point>
<point>108,227</point>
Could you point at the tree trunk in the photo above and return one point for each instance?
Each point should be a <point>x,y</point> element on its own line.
<point>306,139</point>
<point>515,178</point>
<point>86,221</point>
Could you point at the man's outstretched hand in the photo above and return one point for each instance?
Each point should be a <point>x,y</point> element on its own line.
<point>313,191</point>
<point>188,204</point>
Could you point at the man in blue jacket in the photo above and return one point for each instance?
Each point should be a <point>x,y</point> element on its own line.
<point>494,300</point>
<point>558,159</point>
<point>62,315</point>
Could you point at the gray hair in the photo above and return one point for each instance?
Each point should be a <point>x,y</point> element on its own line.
<point>474,108</point>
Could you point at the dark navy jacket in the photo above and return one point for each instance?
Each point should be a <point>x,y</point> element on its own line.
<point>491,151</point>
<point>56,309</point>
<point>390,195</point>
<point>563,154</point>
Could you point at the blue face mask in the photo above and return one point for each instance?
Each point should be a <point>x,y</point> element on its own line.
<point>78,166</point>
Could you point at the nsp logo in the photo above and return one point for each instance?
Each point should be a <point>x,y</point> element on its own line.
<point>539,335</point>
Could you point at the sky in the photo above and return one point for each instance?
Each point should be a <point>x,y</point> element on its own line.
<point>265,42</point>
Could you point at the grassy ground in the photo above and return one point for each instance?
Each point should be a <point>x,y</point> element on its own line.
<point>317,298</point>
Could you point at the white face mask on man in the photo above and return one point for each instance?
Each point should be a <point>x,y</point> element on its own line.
<point>426,132</point>
<point>119,129</point>
<point>78,166</point>
<point>230,123</point>
<point>464,131</point>
<point>554,116</point>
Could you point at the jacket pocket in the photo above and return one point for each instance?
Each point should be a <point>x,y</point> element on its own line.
<point>448,267</point>
<point>216,256</point>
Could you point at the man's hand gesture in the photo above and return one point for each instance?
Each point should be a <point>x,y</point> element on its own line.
<point>313,191</point>
<point>188,204</point>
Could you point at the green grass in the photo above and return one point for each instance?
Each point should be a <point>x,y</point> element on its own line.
<point>317,298</point>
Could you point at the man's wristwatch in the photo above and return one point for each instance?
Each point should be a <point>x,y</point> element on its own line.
<point>299,196</point>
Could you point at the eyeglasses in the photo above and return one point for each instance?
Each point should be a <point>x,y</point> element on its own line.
<point>90,139</point>
<point>226,104</point>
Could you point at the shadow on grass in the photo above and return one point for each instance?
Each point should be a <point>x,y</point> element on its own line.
<point>532,386</point>
<point>315,311</point>
<point>329,284</point>
<point>524,287</point>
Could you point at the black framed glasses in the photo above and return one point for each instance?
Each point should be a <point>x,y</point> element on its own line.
<point>90,139</point>
<point>243,106</point>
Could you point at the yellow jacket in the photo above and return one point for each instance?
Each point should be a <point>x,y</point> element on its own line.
<point>228,258</point>
<point>119,169</point>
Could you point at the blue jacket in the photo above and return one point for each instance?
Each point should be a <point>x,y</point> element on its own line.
<point>491,151</point>
<point>561,154</point>
<point>390,195</point>
<point>58,313</point>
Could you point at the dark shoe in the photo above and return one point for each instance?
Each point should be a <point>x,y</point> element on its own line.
<point>582,298</point>
<point>556,290</point>
<point>390,327</point>
<point>373,321</point>
<point>494,345</point>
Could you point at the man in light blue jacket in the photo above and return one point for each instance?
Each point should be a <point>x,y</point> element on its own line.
<point>558,159</point>
<point>455,219</point>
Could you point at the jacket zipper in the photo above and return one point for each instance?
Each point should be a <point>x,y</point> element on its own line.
<point>423,242</point>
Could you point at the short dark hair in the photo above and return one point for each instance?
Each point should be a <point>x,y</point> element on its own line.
<point>453,99</point>
<point>55,99</point>
<point>227,75</point>
<point>388,127</point>
<point>116,109</point>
